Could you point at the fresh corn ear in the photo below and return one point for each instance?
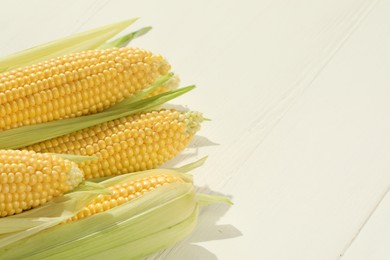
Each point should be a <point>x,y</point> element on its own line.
<point>150,221</point>
<point>134,143</point>
<point>17,137</point>
<point>125,191</point>
<point>59,209</point>
<point>29,179</point>
<point>75,84</point>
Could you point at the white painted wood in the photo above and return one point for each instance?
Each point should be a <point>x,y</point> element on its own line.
<point>298,96</point>
<point>372,243</point>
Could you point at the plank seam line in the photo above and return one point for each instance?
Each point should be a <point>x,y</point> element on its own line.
<point>292,95</point>
<point>364,15</point>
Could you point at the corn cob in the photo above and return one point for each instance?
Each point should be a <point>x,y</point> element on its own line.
<point>75,84</point>
<point>30,179</point>
<point>124,192</point>
<point>129,144</point>
<point>154,221</point>
<point>157,207</point>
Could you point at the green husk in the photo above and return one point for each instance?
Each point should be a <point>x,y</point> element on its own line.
<point>191,166</point>
<point>124,40</point>
<point>161,211</point>
<point>155,241</point>
<point>141,94</point>
<point>18,137</point>
<point>16,227</point>
<point>209,199</point>
<point>138,228</point>
<point>74,43</point>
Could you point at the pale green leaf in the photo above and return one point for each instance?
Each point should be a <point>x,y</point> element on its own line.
<point>137,175</point>
<point>124,40</point>
<point>138,228</point>
<point>74,43</point>
<point>141,94</point>
<point>208,199</point>
<point>27,135</point>
<point>142,226</point>
<point>191,166</point>
<point>17,227</point>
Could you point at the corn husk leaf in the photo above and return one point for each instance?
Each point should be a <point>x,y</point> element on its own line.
<point>191,166</point>
<point>138,228</point>
<point>141,94</point>
<point>18,137</point>
<point>156,241</point>
<point>124,40</point>
<point>74,43</point>
<point>164,215</point>
<point>209,199</point>
<point>17,227</point>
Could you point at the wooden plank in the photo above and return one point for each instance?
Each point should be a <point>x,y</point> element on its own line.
<point>372,241</point>
<point>298,96</point>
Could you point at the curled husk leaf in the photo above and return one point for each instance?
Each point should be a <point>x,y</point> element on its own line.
<point>137,228</point>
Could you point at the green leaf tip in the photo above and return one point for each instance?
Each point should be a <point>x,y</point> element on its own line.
<point>125,40</point>
<point>209,199</point>
<point>191,166</point>
<point>140,95</point>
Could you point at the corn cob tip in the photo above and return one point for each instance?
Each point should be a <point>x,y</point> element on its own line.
<point>192,121</point>
<point>173,82</point>
<point>74,176</point>
<point>29,179</point>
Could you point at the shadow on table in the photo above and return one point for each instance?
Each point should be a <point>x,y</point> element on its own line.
<point>207,229</point>
<point>191,152</point>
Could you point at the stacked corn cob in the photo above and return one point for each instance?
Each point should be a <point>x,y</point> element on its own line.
<point>84,115</point>
<point>30,179</point>
<point>75,84</point>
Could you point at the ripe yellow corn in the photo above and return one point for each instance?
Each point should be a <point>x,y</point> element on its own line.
<point>155,220</point>
<point>29,179</point>
<point>134,143</point>
<point>75,84</point>
<point>124,192</point>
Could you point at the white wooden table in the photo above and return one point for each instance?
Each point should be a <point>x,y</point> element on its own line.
<point>299,96</point>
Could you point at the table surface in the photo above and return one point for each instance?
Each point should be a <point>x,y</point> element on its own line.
<point>298,93</point>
